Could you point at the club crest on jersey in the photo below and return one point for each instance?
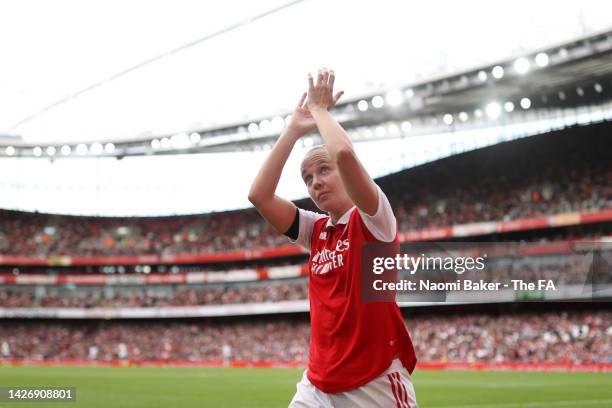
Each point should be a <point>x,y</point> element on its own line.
<point>326,260</point>
<point>323,235</point>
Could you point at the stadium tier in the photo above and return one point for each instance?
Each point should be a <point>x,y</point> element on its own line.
<point>557,179</point>
<point>562,261</point>
<point>563,336</point>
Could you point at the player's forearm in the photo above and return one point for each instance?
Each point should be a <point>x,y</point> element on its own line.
<point>266,181</point>
<point>336,141</point>
<point>358,183</point>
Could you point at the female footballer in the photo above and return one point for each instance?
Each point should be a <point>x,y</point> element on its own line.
<point>361,354</point>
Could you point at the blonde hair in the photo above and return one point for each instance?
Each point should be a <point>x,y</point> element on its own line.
<point>317,147</point>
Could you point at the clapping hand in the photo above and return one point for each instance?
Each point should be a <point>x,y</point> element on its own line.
<point>321,94</point>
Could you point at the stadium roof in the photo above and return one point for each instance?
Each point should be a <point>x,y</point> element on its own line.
<point>115,70</point>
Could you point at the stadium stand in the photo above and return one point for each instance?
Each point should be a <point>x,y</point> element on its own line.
<point>563,336</point>
<point>562,269</point>
<point>549,175</point>
<point>561,172</point>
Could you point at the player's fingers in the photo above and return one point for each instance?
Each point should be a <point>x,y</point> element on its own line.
<point>302,100</point>
<point>319,78</point>
<point>310,82</point>
<point>332,79</point>
<point>325,77</point>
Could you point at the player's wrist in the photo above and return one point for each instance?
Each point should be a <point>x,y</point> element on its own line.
<point>293,133</point>
<point>317,110</point>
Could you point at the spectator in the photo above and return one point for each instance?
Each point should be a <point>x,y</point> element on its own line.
<point>549,337</point>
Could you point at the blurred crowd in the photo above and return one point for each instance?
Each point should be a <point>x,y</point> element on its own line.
<point>562,270</point>
<point>556,173</point>
<point>42,235</point>
<point>555,337</point>
<point>547,337</point>
<point>148,296</point>
<point>461,197</point>
<point>530,178</point>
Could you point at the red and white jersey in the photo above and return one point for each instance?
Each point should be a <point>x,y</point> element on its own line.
<point>352,341</point>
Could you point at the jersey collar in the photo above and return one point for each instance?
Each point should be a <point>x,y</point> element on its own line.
<point>343,220</point>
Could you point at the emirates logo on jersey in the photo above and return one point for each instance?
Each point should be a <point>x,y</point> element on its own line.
<point>326,260</point>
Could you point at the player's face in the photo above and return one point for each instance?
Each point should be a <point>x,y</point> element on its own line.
<point>323,181</point>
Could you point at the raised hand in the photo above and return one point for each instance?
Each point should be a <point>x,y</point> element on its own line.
<point>321,95</point>
<point>302,121</point>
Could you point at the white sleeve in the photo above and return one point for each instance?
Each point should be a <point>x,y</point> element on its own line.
<point>307,220</point>
<point>382,224</point>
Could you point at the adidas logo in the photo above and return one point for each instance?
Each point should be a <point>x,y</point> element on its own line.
<point>323,235</point>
